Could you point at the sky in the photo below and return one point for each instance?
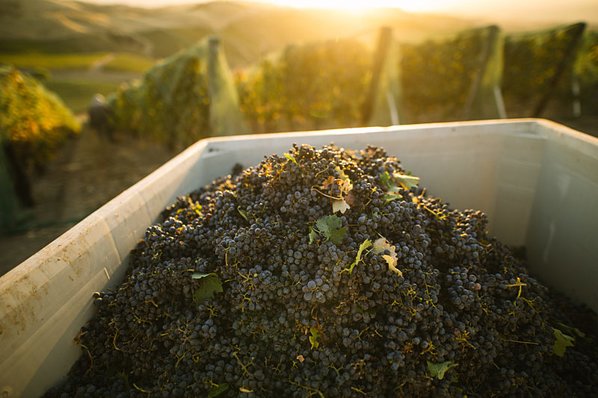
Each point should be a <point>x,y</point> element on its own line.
<point>534,9</point>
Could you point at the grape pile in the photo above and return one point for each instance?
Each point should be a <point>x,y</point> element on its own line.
<point>328,273</point>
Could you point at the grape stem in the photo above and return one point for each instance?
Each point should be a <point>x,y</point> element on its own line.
<point>519,285</point>
<point>326,195</point>
<point>310,389</point>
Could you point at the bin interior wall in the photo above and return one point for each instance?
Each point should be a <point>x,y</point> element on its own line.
<point>537,182</point>
<point>562,238</point>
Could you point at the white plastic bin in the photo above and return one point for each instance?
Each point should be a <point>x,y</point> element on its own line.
<point>536,180</point>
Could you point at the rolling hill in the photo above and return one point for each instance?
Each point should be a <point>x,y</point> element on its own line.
<point>248,30</point>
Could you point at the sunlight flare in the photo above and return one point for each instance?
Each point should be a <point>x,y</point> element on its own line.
<point>360,5</point>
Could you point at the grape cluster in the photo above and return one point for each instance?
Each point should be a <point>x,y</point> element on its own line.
<point>256,285</point>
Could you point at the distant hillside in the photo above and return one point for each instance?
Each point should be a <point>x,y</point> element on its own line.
<point>54,19</point>
<point>248,30</point>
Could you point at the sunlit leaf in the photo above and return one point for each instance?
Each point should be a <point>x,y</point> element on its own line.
<point>386,181</point>
<point>340,205</point>
<point>209,284</point>
<point>561,342</point>
<point>390,196</point>
<point>392,182</point>
<point>291,158</point>
<point>217,390</point>
<point>330,227</point>
<point>243,214</point>
<point>572,330</point>
<point>344,185</point>
<point>314,335</point>
<point>438,370</point>
<point>364,245</point>
<point>406,181</point>
<point>392,264</point>
<point>328,182</point>
<point>381,245</point>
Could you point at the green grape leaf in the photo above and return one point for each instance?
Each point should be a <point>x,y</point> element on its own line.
<point>579,333</point>
<point>438,370</point>
<point>243,214</point>
<point>391,184</point>
<point>386,181</point>
<point>291,158</point>
<point>330,228</point>
<point>218,390</point>
<point>209,284</point>
<point>572,330</point>
<point>390,196</point>
<point>406,181</point>
<point>364,245</point>
<point>562,341</point>
<point>314,335</point>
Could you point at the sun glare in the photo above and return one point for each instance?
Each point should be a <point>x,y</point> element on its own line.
<point>347,5</point>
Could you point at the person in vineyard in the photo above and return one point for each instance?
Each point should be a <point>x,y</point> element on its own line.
<point>99,116</point>
<point>17,169</point>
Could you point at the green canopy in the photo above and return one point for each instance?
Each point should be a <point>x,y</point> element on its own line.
<point>34,123</point>
<point>455,78</point>
<point>186,97</point>
<point>539,68</point>
<point>310,86</point>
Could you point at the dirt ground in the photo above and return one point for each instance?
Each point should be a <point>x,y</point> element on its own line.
<point>90,171</point>
<point>586,124</point>
<point>87,173</point>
